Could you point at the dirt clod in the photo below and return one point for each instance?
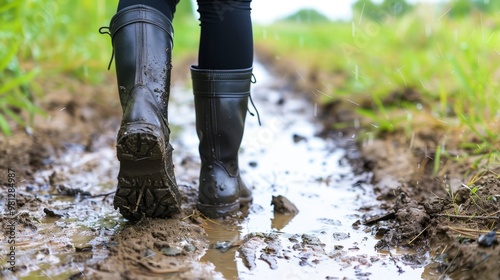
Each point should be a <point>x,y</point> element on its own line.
<point>51,213</point>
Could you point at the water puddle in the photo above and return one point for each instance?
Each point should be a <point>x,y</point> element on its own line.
<point>284,157</point>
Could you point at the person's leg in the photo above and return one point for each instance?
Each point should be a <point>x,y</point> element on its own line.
<point>142,43</point>
<point>226,40</point>
<point>167,7</point>
<point>221,86</point>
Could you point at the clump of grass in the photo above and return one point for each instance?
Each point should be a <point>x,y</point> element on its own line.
<point>15,93</point>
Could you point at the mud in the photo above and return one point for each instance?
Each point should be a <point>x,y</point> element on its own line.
<point>334,223</point>
<point>442,215</point>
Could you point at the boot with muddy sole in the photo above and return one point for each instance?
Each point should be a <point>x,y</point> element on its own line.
<point>142,43</point>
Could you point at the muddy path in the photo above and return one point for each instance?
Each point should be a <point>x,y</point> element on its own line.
<point>63,180</point>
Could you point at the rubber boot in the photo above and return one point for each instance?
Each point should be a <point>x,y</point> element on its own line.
<point>221,99</point>
<point>142,43</point>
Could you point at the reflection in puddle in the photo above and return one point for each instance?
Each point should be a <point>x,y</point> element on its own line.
<point>284,157</point>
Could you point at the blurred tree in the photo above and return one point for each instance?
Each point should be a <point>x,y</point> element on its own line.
<point>367,8</point>
<point>488,6</point>
<point>388,8</point>
<point>307,16</point>
<point>460,8</point>
<point>396,7</point>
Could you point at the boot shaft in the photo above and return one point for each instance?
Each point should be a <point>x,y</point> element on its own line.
<point>221,100</point>
<point>142,43</point>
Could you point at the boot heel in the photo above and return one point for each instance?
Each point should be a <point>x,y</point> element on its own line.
<point>218,211</point>
<point>144,185</point>
<point>139,140</point>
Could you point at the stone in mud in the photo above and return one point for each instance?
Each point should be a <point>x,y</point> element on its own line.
<point>283,206</point>
<point>381,231</point>
<point>340,236</point>
<point>297,138</point>
<point>67,191</point>
<point>82,247</point>
<point>171,251</point>
<point>308,239</point>
<point>223,246</point>
<point>314,243</point>
<point>487,240</point>
<point>51,213</point>
<point>294,238</point>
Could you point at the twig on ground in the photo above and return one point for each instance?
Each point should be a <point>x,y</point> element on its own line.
<point>466,231</point>
<point>469,217</point>
<point>413,239</point>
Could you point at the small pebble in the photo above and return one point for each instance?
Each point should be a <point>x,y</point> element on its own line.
<point>487,240</point>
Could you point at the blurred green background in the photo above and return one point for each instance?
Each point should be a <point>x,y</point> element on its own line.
<point>418,65</point>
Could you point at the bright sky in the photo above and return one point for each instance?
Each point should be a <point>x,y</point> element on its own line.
<point>266,11</point>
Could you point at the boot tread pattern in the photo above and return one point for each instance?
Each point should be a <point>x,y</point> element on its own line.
<point>145,187</point>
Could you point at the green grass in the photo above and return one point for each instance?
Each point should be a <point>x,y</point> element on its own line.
<point>451,64</point>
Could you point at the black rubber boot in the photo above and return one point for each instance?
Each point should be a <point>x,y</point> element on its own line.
<point>221,99</point>
<point>142,43</point>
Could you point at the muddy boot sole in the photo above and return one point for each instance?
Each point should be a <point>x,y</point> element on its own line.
<point>144,186</point>
<point>218,211</point>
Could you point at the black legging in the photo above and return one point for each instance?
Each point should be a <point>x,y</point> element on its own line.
<point>226,31</point>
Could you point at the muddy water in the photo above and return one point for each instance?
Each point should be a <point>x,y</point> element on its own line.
<point>281,157</point>
<point>284,157</point>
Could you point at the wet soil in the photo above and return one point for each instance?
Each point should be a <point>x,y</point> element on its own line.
<point>349,210</point>
<point>444,215</point>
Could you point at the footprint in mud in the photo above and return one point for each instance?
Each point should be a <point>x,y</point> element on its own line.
<point>153,247</point>
<point>267,246</point>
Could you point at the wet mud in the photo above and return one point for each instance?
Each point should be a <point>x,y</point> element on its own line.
<point>325,207</point>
